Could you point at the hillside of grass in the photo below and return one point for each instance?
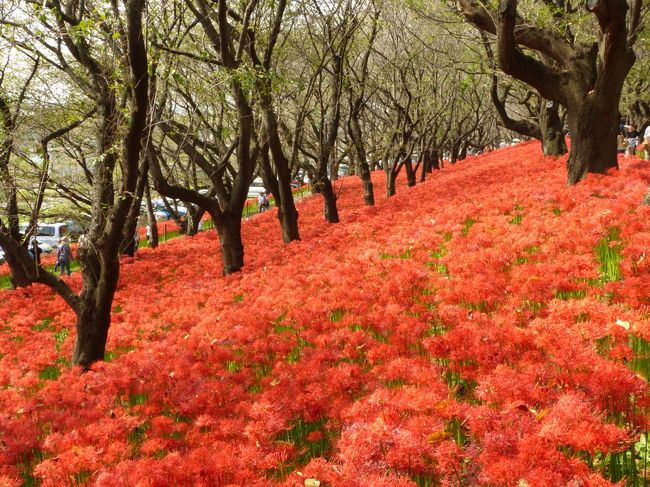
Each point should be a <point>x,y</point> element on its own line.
<point>488,327</point>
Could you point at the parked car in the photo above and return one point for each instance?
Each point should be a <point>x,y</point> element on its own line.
<point>49,234</point>
<point>160,210</point>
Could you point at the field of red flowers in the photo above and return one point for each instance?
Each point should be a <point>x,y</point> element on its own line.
<point>487,327</point>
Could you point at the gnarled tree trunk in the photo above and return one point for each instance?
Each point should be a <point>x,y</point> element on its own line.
<point>358,146</point>
<point>586,78</point>
<point>593,130</point>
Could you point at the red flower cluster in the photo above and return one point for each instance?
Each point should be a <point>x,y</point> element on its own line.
<point>463,332</point>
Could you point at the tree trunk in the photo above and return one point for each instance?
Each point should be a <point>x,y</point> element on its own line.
<point>368,189</point>
<point>288,216</point>
<point>18,277</point>
<point>194,219</point>
<point>329,201</point>
<point>92,333</point>
<point>462,154</point>
<point>101,265</point>
<point>410,173</point>
<point>550,126</point>
<point>426,165</point>
<point>232,248</point>
<point>455,149</point>
<point>100,276</point>
<point>594,128</point>
<point>356,136</point>
<point>391,177</point>
<point>436,161</point>
<point>128,246</point>
<point>287,212</point>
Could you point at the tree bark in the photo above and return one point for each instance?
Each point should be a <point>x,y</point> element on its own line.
<point>131,226</point>
<point>455,149</point>
<point>550,125</point>
<point>18,277</point>
<point>425,162</point>
<point>287,212</point>
<point>94,313</point>
<point>329,201</point>
<point>593,136</point>
<point>232,248</point>
<point>358,145</point>
<point>391,177</point>
<point>410,173</point>
<point>193,219</point>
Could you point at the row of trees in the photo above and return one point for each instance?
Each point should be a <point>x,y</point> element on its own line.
<point>101,102</point>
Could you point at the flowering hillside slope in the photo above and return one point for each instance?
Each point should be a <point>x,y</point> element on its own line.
<point>487,327</point>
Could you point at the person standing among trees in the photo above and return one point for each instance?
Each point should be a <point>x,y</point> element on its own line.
<point>35,250</point>
<point>262,202</point>
<point>632,140</point>
<point>64,256</point>
<point>646,142</point>
<point>56,264</point>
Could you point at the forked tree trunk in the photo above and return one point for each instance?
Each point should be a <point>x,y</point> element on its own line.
<point>356,136</point>
<point>193,219</point>
<point>232,247</point>
<point>287,212</point>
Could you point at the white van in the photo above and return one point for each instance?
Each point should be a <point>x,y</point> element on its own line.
<point>49,233</point>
